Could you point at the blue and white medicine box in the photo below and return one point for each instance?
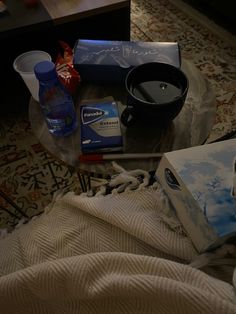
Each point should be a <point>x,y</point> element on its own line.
<point>199,183</point>
<point>100,127</point>
<point>107,60</point>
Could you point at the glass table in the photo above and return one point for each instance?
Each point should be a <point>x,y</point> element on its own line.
<point>190,128</point>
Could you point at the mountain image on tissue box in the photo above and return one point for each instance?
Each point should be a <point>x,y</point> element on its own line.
<point>107,60</point>
<point>199,182</point>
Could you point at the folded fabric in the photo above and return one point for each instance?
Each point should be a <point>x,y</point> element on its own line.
<point>119,253</point>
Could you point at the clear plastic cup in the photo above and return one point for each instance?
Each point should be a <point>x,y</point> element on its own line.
<point>24,65</point>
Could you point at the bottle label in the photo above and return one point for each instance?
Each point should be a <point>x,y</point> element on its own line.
<point>58,109</point>
<point>56,124</point>
<point>59,124</point>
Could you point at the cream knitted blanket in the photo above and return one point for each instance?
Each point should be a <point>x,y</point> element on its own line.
<point>119,253</point>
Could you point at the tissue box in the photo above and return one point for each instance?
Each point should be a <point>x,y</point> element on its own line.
<point>100,127</point>
<point>198,182</point>
<point>103,60</point>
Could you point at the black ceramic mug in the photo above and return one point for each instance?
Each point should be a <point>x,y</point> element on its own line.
<point>156,93</point>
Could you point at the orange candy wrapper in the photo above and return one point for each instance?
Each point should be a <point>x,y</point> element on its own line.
<point>69,77</point>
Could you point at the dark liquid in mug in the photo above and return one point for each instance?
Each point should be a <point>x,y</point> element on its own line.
<point>157,92</point>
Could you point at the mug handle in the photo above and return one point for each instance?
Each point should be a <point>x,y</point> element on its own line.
<point>127,117</point>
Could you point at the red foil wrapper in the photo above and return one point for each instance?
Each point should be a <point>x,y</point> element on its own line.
<point>69,77</point>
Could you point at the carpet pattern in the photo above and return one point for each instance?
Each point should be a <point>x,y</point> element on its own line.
<point>29,175</point>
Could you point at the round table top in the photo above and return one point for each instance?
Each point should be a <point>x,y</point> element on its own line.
<point>190,128</point>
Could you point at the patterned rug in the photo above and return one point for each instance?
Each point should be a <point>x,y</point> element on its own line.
<point>29,176</point>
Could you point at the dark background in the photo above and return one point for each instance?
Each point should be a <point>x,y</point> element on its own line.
<point>14,95</point>
<point>222,12</point>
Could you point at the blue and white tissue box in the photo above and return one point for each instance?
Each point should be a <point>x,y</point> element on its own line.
<point>199,182</point>
<point>110,61</point>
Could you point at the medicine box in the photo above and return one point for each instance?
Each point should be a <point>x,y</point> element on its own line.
<point>100,127</point>
<point>104,60</point>
<point>199,183</point>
